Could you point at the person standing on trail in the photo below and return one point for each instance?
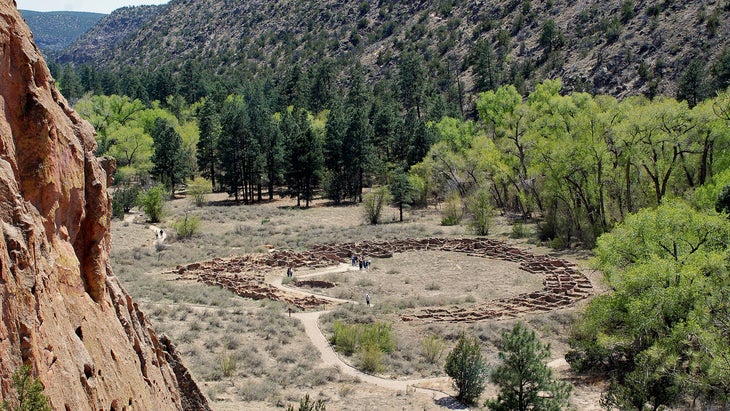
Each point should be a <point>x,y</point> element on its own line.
<point>289,272</point>
<point>367,299</point>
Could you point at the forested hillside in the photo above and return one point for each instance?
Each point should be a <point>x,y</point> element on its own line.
<point>619,48</point>
<point>54,31</point>
<point>108,34</point>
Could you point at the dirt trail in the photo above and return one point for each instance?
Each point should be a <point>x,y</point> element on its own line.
<point>310,320</point>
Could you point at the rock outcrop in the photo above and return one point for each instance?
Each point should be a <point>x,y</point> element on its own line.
<point>63,312</point>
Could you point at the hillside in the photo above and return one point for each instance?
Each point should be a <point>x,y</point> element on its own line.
<point>53,31</point>
<point>619,47</point>
<point>109,32</point>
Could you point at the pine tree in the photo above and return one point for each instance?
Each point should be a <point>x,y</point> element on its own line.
<point>525,381</point>
<point>169,159</point>
<point>465,366</point>
<point>209,125</point>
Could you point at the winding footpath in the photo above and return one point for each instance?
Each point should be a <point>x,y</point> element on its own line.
<point>310,320</point>
<point>258,277</point>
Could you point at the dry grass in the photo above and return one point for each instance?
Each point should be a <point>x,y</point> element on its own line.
<point>250,355</point>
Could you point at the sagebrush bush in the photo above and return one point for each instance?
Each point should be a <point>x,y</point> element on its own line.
<point>432,348</point>
<point>198,189</point>
<point>187,227</point>
<point>452,211</point>
<point>371,358</point>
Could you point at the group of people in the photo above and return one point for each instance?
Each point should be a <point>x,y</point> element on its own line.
<point>361,261</point>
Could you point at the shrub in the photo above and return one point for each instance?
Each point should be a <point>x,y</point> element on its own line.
<point>518,230</point>
<point>198,189</point>
<point>481,212</point>
<point>465,366</point>
<point>152,202</point>
<point>228,363</point>
<point>348,337</point>
<point>305,404</point>
<point>373,204</point>
<point>28,394</point>
<point>453,211</point>
<point>432,348</point>
<point>371,358</point>
<point>123,200</point>
<point>187,227</point>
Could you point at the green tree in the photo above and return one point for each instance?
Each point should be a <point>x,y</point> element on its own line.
<point>658,333</point>
<point>373,203</point>
<point>303,154</point>
<point>467,369</point>
<point>28,394</point>
<point>525,381</point>
<point>169,158</point>
<point>152,202</point>
<point>487,69</point>
<point>401,190</point>
<point>692,86</point>
<point>209,124</point>
<point>479,206</point>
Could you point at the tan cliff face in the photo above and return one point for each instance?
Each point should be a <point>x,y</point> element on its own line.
<point>63,311</point>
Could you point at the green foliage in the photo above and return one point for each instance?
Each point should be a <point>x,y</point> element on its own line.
<point>452,210</point>
<point>373,203</point>
<point>722,205</point>
<point>525,381</point>
<point>401,189</point>
<point>306,404</point>
<point>28,395</point>
<point>480,208</point>
<point>467,369</point>
<point>658,332</point>
<point>198,189</point>
<point>170,159</point>
<point>188,226</point>
<point>432,348</point>
<point>152,202</point>
<point>347,338</point>
<point>228,363</point>
<point>371,358</point>
<point>123,200</point>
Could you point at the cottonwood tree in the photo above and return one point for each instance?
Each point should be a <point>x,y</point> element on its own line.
<point>662,333</point>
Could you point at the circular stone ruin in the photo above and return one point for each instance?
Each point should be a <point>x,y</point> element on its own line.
<point>563,284</point>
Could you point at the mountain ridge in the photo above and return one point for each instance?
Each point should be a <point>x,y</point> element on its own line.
<point>620,48</point>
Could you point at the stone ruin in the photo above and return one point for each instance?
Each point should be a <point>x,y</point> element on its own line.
<point>563,283</point>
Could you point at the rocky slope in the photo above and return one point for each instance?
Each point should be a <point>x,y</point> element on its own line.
<point>108,33</point>
<point>64,313</point>
<point>54,31</point>
<point>620,47</point>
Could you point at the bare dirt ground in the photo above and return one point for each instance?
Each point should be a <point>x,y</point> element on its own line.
<point>274,361</point>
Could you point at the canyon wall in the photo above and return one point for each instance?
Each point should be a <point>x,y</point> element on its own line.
<point>64,313</point>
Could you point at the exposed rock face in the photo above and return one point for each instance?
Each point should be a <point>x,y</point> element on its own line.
<point>63,311</point>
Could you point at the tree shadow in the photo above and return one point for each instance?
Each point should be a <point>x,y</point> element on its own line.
<point>451,403</point>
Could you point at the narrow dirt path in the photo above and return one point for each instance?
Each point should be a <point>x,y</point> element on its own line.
<point>310,320</point>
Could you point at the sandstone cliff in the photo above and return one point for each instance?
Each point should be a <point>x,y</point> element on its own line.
<point>63,311</point>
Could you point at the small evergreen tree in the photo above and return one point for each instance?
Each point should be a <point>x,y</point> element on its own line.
<point>28,393</point>
<point>525,381</point>
<point>401,189</point>
<point>465,366</point>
